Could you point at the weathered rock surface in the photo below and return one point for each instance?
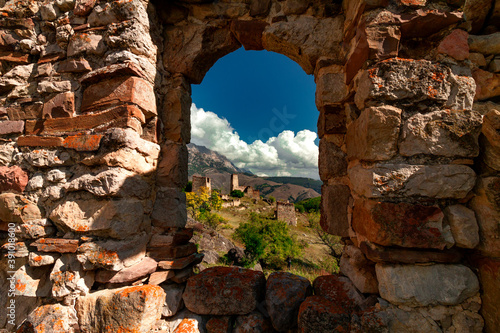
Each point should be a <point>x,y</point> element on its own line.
<point>318,314</point>
<point>173,300</point>
<point>13,179</point>
<point>117,310</point>
<point>252,322</point>
<point>415,81</point>
<point>426,285</point>
<point>284,294</point>
<point>339,290</point>
<point>224,291</point>
<point>490,140</point>
<point>403,180</point>
<point>401,224</point>
<point>69,279</point>
<point>54,318</point>
<point>143,268</point>
<point>489,275</point>
<point>16,208</point>
<point>360,271</point>
<point>486,207</point>
<point>111,218</point>
<point>443,133</point>
<point>463,226</point>
<point>374,135</point>
<point>113,255</point>
<point>334,208</point>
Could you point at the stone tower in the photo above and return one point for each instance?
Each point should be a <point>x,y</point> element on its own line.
<point>199,182</point>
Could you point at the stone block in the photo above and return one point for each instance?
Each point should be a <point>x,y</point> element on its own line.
<point>224,291</point>
<point>86,43</point>
<point>330,86</point>
<point>359,270</point>
<point>127,69</point>
<point>25,111</point>
<point>8,127</point>
<point>13,179</point>
<point>183,262</point>
<point>172,166</point>
<point>487,84</point>
<point>120,116</point>
<point>176,115</point>
<point>105,218</point>
<point>414,81</point>
<point>113,255</point>
<point>403,180</point>
<point>332,160</point>
<point>172,253</point>
<point>113,310</point>
<point>443,133</point>
<point>169,208</point>
<point>335,202</point>
<point>249,33</point>
<point>455,45</point>
<point>331,120</point>
<point>159,277</point>
<point>374,135</point>
<point>284,294</point>
<point>58,245</point>
<point>486,207</point>
<point>16,208</point>
<point>397,255</point>
<point>463,224</point>
<point>69,279</point>
<point>60,319</point>
<point>40,141</point>
<point>415,286</point>
<point>42,259</point>
<point>318,314</point>
<point>401,224</point>
<point>221,324</point>
<point>340,290</point>
<point>130,274</point>
<point>485,44</point>
<point>82,142</point>
<point>60,106</point>
<point>252,321</point>
<point>490,140</point>
<point>489,275</point>
<point>120,90</point>
<point>74,66</point>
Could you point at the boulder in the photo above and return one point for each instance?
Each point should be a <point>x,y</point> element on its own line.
<point>374,135</point>
<point>416,286</point>
<point>339,290</point>
<point>403,180</point>
<point>221,324</point>
<point>318,314</point>
<point>445,133</point>
<point>133,309</point>
<point>463,226</point>
<point>224,291</point>
<point>284,294</point>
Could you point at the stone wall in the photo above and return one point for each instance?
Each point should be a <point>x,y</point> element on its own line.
<point>285,211</point>
<point>94,122</point>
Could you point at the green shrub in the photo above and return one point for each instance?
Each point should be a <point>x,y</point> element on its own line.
<point>309,205</point>
<point>272,199</point>
<point>213,220</point>
<point>237,194</point>
<point>268,241</point>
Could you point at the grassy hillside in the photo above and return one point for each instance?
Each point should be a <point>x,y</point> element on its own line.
<point>304,182</point>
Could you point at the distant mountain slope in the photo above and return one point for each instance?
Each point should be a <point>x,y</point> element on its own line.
<point>206,162</point>
<point>301,181</point>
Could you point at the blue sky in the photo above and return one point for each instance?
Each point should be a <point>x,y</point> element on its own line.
<point>257,108</point>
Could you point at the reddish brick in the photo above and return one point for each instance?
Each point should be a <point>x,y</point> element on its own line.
<point>74,66</point>
<point>14,57</point>
<point>83,142</point>
<point>399,224</point>
<point>56,245</point>
<point>60,106</point>
<point>120,90</point>
<point>12,179</point>
<point>11,127</point>
<point>116,117</point>
<point>40,141</point>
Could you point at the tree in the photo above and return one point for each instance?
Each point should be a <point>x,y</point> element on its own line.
<point>322,237</point>
<point>268,241</point>
<point>237,194</point>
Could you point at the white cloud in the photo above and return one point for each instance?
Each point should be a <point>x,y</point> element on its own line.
<point>284,155</point>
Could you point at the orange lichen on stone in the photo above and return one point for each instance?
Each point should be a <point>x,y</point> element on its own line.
<point>83,142</point>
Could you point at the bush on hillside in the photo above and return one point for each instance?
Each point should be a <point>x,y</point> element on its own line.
<point>237,194</point>
<point>268,241</point>
<point>309,205</point>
